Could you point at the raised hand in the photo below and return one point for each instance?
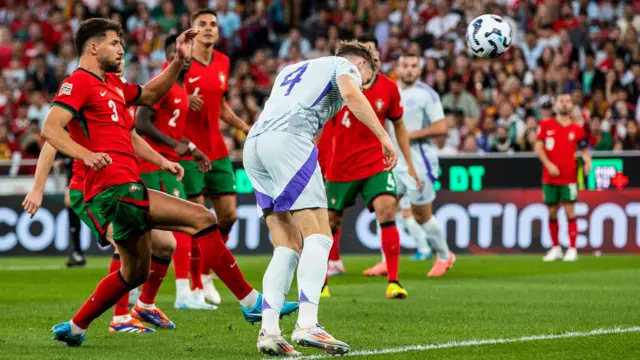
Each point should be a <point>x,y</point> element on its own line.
<point>184,43</point>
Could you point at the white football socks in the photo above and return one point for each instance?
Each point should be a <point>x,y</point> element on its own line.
<point>311,275</point>
<point>75,329</point>
<point>275,286</point>
<point>142,305</point>
<point>183,289</point>
<point>436,238</point>
<point>122,318</point>
<point>250,300</point>
<point>418,234</point>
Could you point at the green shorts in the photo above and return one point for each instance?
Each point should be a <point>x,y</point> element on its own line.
<point>553,194</point>
<point>220,180</point>
<point>341,195</point>
<point>98,230</point>
<point>165,182</point>
<point>125,207</point>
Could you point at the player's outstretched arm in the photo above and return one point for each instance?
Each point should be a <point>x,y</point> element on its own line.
<point>402,137</point>
<point>227,115</point>
<point>53,132</point>
<point>143,150</point>
<point>144,126</point>
<point>360,107</point>
<point>157,87</point>
<point>33,200</point>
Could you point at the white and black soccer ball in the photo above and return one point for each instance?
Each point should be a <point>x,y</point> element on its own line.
<point>488,36</point>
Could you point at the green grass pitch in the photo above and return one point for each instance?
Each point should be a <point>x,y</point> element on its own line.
<point>495,297</point>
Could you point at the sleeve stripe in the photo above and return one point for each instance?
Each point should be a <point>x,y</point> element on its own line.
<point>139,93</point>
<point>67,107</point>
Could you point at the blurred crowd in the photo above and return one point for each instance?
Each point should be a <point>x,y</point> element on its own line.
<point>590,48</point>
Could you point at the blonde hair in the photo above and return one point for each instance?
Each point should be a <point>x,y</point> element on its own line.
<point>355,48</point>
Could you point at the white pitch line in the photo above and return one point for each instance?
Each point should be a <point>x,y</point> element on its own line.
<point>48,267</point>
<point>467,343</point>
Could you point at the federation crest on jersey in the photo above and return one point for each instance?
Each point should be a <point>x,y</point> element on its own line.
<point>379,105</point>
<point>223,79</point>
<point>65,89</point>
<point>119,91</point>
<point>134,188</point>
<point>571,136</point>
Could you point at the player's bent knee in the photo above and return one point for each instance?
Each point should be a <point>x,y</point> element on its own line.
<point>203,219</point>
<point>386,214</point>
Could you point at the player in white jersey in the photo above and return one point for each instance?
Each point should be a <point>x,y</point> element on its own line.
<point>424,118</point>
<point>281,161</point>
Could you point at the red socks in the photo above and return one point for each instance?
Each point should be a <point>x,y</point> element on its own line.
<point>122,306</point>
<point>196,266</point>
<point>216,257</point>
<point>181,255</point>
<point>391,249</point>
<point>334,254</point>
<point>111,289</point>
<point>573,233</point>
<point>553,231</point>
<point>150,288</point>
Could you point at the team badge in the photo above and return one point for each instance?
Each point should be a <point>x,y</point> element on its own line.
<point>176,192</point>
<point>134,188</point>
<point>65,89</point>
<point>333,201</point>
<point>223,80</point>
<point>571,136</point>
<point>379,104</point>
<point>119,91</point>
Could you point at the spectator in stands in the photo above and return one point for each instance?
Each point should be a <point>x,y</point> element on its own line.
<point>503,142</point>
<point>38,109</point>
<point>470,145</point>
<point>631,140</point>
<point>8,146</point>
<point>591,77</point>
<point>511,121</point>
<point>294,39</point>
<point>599,139</point>
<point>442,147</point>
<point>43,75</point>
<point>460,99</point>
<point>168,20</point>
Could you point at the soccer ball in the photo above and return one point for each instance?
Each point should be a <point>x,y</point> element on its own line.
<point>488,36</point>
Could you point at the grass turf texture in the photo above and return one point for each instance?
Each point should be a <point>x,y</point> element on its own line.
<point>481,298</point>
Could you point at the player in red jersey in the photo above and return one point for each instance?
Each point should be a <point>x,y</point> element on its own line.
<point>112,190</point>
<point>558,138</point>
<point>162,246</point>
<point>207,84</point>
<point>162,126</point>
<point>359,169</point>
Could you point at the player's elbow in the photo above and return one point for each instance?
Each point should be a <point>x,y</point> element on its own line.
<point>442,128</point>
<point>47,131</point>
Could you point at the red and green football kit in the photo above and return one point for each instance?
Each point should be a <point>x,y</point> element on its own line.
<point>211,83</point>
<point>560,144</point>
<point>101,108</point>
<point>357,167</point>
<point>171,119</point>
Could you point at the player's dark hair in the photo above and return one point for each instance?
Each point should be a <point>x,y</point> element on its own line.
<point>199,12</point>
<point>355,48</point>
<point>95,28</point>
<point>171,39</point>
<point>410,54</point>
<point>368,38</point>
